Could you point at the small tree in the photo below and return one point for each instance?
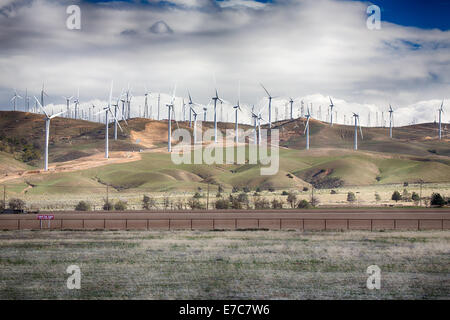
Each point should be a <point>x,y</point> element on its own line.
<point>107,205</point>
<point>220,189</point>
<point>437,200</point>
<point>261,203</point>
<point>222,204</point>
<point>243,198</point>
<point>292,199</point>
<point>271,189</point>
<point>396,196</point>
<point>377,197</point>
<point>406,195</point>
<point>148,202</point>
<point>194,203</point>
<point>314,201</point>
<point>16,204</point>
<point>120,205</point>
<point>415,197</point>
<point>277,204</point>
<point>2,205</point>
<point>305,189</point>
<point>197,195</point>
<point>351,197</point>
<point>303,204</point>
<point>246,189</point>
<point>235,189</point>
<point>83,206</point>
<point>285,193</point>
<point>258,190</point>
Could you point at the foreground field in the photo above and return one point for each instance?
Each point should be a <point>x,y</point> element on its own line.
<point>224,265</point>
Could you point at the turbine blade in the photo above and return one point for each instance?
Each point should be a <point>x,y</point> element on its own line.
<point>265,89</point>
<point>306,126</point>
<point>55,115</point>
<point>41,107</point>
<point>117,121</point>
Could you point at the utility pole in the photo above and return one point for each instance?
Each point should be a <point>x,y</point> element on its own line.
<point>207,199</point>
<point>107,194</point>
<point>4,196</point>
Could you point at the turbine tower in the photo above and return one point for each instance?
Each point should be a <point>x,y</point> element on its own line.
<point>308,115</point>
<point>441,110</point>
<point>107,110</point>
<point>357,121</point>
<point>77,102</point>
<point>291,101</point>
<point>169,129</point>
<point>391,118</point>
<point>43,93</point>
<point>255,121</point>
<point>237,108</point>
<point>270,105</point>
<point>68,102</point>
<point>146,110</point>
<point>331,112</point>
<point>215,98</point>
<point>47,131</point>
<point>14,98</point>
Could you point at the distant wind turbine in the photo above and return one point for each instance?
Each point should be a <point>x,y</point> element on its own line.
<point>14,98</point>
<point>215,98</point>
<point>357,121</point>
<point>237,108</point>
<point>441,110</point>
<point>331,111</point>
<point>391,118</point>
<point>68,102</point>
<point>270,105</point>
<point>170,111</point>
<point>308,115</point>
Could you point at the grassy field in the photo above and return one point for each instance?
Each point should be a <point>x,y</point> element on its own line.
<point>224,265</point>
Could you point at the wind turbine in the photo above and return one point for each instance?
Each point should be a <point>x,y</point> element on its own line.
<point>270,105</point>
<point>255,121</point>
<point>169,129</point>
<point>237,108</point>
<point>146,110</point>
<point>43,93</point>
<point>391,118</point>
<point>27,101</point>
<point>215,98</point>
<point>107,110</point>
<point>67,102</point>
<point>291,101</point>
<point>77,102</point>
<point>47,131</point>
<point>355,146</point>
<point>14,98</point>
<point>308,115</point>
<point>441,110</point>
<point>331,112</point>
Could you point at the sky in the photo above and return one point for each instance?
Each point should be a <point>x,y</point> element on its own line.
<point>309,50</point>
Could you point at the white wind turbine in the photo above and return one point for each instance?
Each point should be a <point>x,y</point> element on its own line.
<point>357,121</point>
<point>215,98</point>
<point>14,98</point>
<point>43,93</point>
<point>441,110</point>
<point>255,122</point>
<point>308,115</point>
<point>107,110</point>
<point>331,112</point>
<point>237,108</point>
<point>270,105</point>
<point>67,102</point>
<point>47,131</point>
<point>391,120</point>
<point>27,101</point>
<point>147,112</point>
<point>77,103</point>
<point>169,124</point>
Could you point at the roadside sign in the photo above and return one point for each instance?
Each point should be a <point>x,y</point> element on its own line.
<point>47,217</point>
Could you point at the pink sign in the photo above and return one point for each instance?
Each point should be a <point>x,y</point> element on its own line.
<point>45,217</point>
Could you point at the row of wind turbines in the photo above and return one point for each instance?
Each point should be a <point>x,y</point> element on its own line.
<point>125,97</point>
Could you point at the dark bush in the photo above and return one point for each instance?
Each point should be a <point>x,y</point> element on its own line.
<point>262,203</point>
<point>396,196</point>
<point>246,189</point>
<point>222,204</point>
<point>16,204</point>
<point>258,189</point>
<point>120,205</point>
<point>327,183</point>
<point>83,206</point>
<point>243,198</point>
<point>108,205</point>
<point>303,204</point>
<point>271,189</point>
<point>405,184</point>
<point>305,189</point>
<point>236,204</point>
<point>285,193</point>
<point>351,197</point>
<point>377,197</point>
<point>194,203</point>
<point>277,204</point>
<point>148,202</point>
<point>2,205</point>
<point>220,189</point>
<point>218,195</point>
<point>197,195</point>
<point>378,178</point>
<point>235,189</point>
<point>333,192</point>
<point>437,200</point>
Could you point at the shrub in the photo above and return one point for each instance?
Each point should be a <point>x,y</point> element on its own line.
<point>378,178</point>
<point>406,196</point>
<point>396,196</point>
<point>415,197</point>
<point>243,198</point>
<point>285,193</point>
<point>83,206</point>
<point>258,189</point>
<point>377,197</point>
<point>16,204</point>
<point>2,205</point>
<point>277,204</point>
<point>148,202</point>
<point>303,204</point>
<point>333,192</point>
<point>437,200</point>
<point>218,195</point>
<point>120,205</point>
<point>222,204</point>
<point>108,205</point>
<point>305,189</point>
<point>194,203</point>
<point>235,203</point>
<point>314,201</point>
<point>220,189</point>
<point>262,203</point>
<point>235,189</point>
<point>405,184</point>
<point>351,197</point>
<point>246,189</point>
<point>327,183</point>
<point>292,199</point>
<point>197,195</point>
<point>271,189</point>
